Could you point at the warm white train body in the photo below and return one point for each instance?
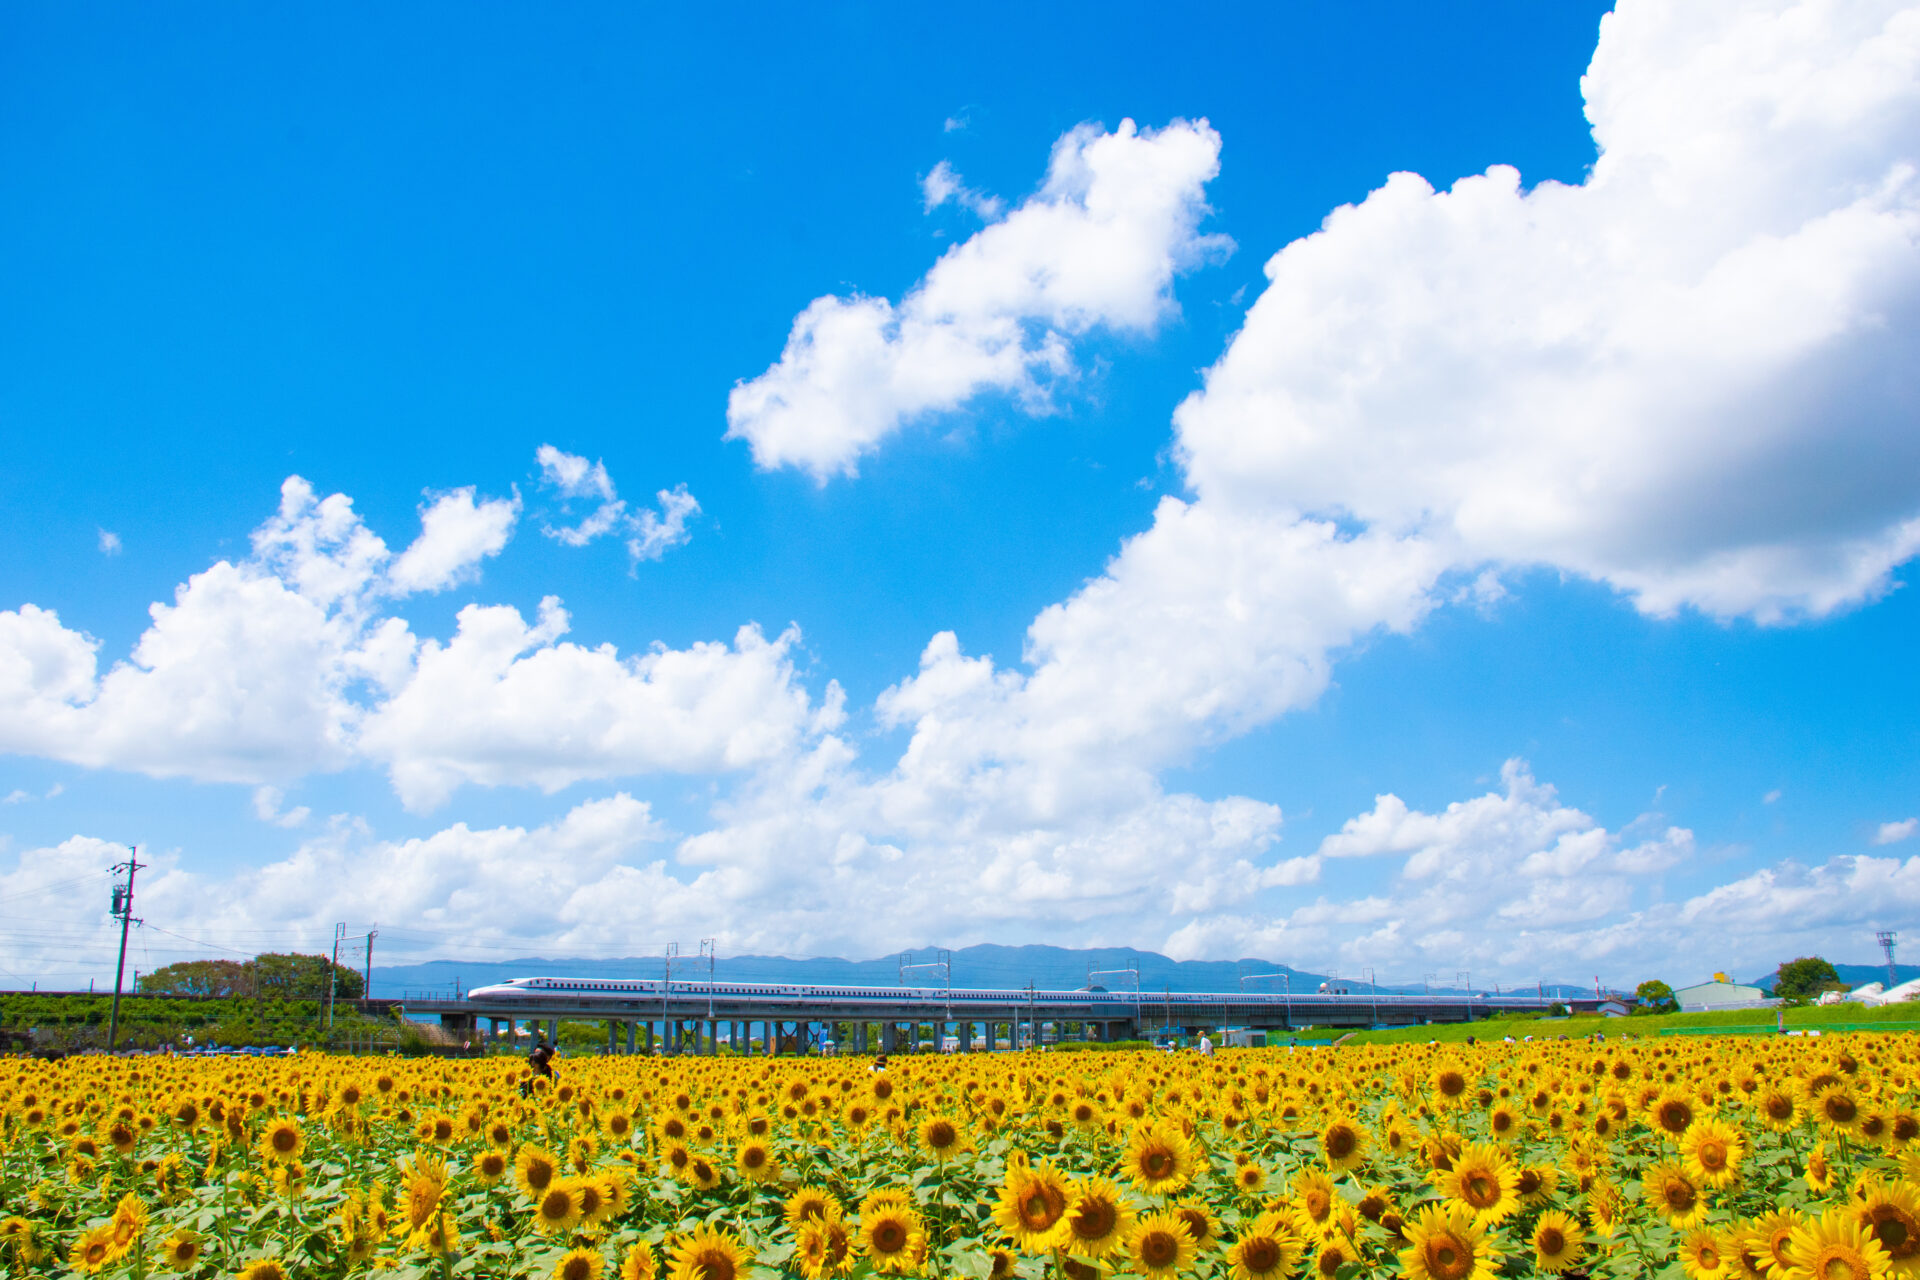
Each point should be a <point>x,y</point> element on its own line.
<point>790,994</point>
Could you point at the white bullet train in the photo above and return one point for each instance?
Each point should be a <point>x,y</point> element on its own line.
<point>776,993</point>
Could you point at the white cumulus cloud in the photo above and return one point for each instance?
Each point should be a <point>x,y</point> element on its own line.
<point>942,185</point>
<point>1895,832</point>
<point>292,661</point>
<point>456,534</point>
<point>649,534</point>
<point>1689,376</point>
<point>1097,246</point>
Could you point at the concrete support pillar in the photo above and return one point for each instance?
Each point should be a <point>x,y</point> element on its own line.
<point>630,1035</point>
<point>553,1031</point>
<point>889,1037</point>
<point>770,1042</point>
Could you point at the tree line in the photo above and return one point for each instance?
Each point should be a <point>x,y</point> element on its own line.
<point>273,976</point>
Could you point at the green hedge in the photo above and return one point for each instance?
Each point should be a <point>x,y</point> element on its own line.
<point>80,1021</point>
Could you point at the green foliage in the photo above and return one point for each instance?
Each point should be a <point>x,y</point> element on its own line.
<point>273,976</point>
<point>80,1021</point>
<point>1655,996</point>
<point>1805,979</point>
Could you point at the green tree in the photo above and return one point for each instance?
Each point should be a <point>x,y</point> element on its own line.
<point>268,977</point>
<point>1654,996</point>
<point>1805,979</point>
<point>197,978</point>
<point>294,976</point>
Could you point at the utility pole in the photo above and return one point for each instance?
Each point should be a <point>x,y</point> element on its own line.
<point>333,970</point>
<point>122,907</point>
<point>366,974</point>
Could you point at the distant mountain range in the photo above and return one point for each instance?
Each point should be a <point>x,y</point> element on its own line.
<point>1046,968</point>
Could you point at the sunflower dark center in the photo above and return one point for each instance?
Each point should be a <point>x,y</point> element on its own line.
<point>1446,1260</point>
<point>890,1236</point>
<point>1261,1255</point>
<point>1094,1219</point>
<point>1159,1248</point>
<point>1894,1232</point>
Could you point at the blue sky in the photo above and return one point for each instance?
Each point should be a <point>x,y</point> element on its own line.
<point>1544,531</point>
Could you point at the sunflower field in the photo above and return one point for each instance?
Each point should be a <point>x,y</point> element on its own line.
<point>1789,1158</point>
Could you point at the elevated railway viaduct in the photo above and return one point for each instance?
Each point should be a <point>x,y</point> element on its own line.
<point>697,1017</point>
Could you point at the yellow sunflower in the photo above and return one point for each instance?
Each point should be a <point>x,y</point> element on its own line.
<point>1673,1195</point>
<point>1266,1251</point>
<point>1446,1242</point>
<point>1313,1201</point>
<point>558,1208</point>
<point>754,1161</point>
<point>579,1264</point>
<point>1819,1172</point>
<point>1671,1115</point>
<point>282,1141</point>
<point>809,1204</point>
<point>264,1269</point>
<point>1201,1224</point>
<point>1343,1143</point>
<point>534,1170</point>
<point>711,1253</point>
<point>1098,1219</point>
<point>426,1183</point>
<point>1335,1251</point>
<point>1713,1150</point>
<point>1159,1247</point>
<point>1836,1246</point>
<point>93,1250</point>
<point>1772,1238</point>
<point>1838,1110</point>
<point>639,1263</point>
<point>1892,1213</point>
<point>1558,1242</point>
<point>1032,1208</point>
<point>181,1250</point>
<point>893,1240</point>
<point>1158,1159</point>
<point>825,1248</point>
<point>1777,1109</point>
<point>1485,1180</point>
<point>940,1137</point>
<point>1704,1255</point>
<point>490,1166</point>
